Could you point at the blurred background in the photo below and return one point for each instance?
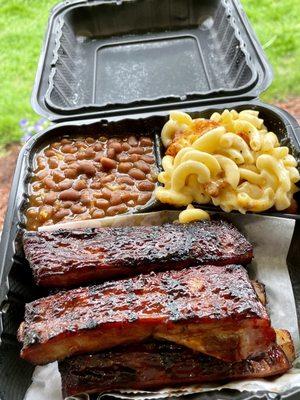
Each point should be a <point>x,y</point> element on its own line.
<point>22,27</point>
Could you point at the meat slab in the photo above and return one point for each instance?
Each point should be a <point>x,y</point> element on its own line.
<point>211,309</point>
<point>67,258</point>
<point>153,365</point>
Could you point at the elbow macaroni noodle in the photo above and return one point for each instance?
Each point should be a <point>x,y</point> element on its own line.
<point>237,164</point>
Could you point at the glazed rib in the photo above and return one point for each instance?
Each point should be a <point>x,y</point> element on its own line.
<point>153,365</point>
<point>66,258</point>
<point>210,309</point>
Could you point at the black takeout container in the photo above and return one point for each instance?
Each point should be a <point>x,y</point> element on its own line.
<point>125,64</point>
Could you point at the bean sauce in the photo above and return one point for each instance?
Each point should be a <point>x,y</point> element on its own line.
<point>84,178</point>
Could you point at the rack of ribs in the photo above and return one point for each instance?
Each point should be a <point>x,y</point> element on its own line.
<point>68,258</point>
<point>210,309</point>
<point>153,365</point>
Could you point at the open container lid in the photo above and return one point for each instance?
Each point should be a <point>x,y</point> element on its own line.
<point>119,57</point>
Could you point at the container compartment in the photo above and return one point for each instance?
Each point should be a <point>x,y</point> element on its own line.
<point>275,120</point>
<point>16,282</point>
<point>108,55</point>
<point>83,188</point>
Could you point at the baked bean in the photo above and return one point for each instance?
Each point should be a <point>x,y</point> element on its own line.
<point>136,150</point>
<point>114,210</point>
<point>107,163</point>
<point>135,157</point>
<point>103,139</point>
<point>144,198</point>
<point>98,147</point>
<point>69,194</point>
<point>124,158</point>
<point>145,142</point>
<point>86,199</point>
<point>116,198</point>
<point>90,140</point>
<point>55,145</point>
<point>134,195</point>
<point>148,159</point>
<point>124,166</point>
<point>107,179</point>
<point>152,177</point>
<point>142,166</point>
<point>137,174</point>
<point>116,146</point>
<point>50,198</point>
<point>83,217</point>
<point>68,148</point>
<point>106,193</point>
<point>41,175</point>
<point>41,162</point>
<point>98,157</point>
<point>113,186</point>
<point>77,209</point>
<point>62,213</point>
<point>96,185</point>
<point>126,196</point>
<point>58,176</point>
<point>70,173</point>
<point>80,184</point>
<point>102,203</point>
<point>81,155</point>
<point>49,153</point>
<point>69,158</point>
<point>67,204</point>
<point>146,186</point>
<point>49,183</point>
<point>148,150</point>
<point>111,153</point>
<point>80,144</point>
<point>125,179</point>
<point>66,184</point>
<point>132,141</point>
<point>87,168</point>
<point>97,194</point>
<point>89,153</point>
<point>125,146</point>
<point>65,141</point>
<point>98,214</point>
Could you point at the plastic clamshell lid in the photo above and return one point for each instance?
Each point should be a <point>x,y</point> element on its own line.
<point>118,57</point>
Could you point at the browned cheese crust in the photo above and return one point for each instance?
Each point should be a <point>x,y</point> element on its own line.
<point>67,258</point>
<point>210,309</point>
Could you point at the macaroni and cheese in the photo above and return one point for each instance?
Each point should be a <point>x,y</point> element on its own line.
<point>230,160</point>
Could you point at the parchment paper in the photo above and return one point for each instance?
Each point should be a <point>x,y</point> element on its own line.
<point>271,238</point>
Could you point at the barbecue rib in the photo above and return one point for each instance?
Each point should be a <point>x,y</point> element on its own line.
<point>210,309</point>
<point>153,365</point>
<point>63,258</point>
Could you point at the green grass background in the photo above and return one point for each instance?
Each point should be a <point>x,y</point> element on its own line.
<point>22,27</point>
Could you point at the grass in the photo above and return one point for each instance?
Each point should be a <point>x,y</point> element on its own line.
<point>22,27</point>
<point>277,25</point>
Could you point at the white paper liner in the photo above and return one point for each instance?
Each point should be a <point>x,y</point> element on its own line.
<point>271,238</point>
